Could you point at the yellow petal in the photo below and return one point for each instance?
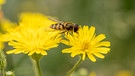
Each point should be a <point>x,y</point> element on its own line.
<point>11,51</point>
<point>98,38</point>
<point>104,43</point>
<point>65,42</point>
<point>18,51</point>
<point>98,55</point>
<point>91,57</point>
<point>51,46</point>
<point>102,50</point>
<point>75,53</point>
<point>31,52</point>
<point>91,32</point>
<point>83,56</point>
<point>43,52</point>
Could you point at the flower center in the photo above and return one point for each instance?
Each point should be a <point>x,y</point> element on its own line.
<point>85,46</point>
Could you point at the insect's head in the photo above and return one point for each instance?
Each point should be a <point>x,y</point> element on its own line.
<point>76,27</point>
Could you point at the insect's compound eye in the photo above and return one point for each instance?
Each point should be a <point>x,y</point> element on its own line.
<point>76,27</point>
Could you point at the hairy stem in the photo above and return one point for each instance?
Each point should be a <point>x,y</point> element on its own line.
<point>74,67</point>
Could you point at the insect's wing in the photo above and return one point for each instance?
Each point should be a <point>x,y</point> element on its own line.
<point>54,19</point>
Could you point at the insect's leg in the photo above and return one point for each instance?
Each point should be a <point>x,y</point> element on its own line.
<point>62,32</point>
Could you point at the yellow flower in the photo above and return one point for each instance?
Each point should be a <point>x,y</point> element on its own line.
<point>30,41</point>
<point>87,44</point>
<point>92,73</point>
<point>37,19</point>
<point>2,2</point>
<point>1,43</point>
<point>30,36</point>
<point>124,73</point>
<point>5,26</point>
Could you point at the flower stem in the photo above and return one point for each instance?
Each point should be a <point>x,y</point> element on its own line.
<point>2,72</point>
<point>74,67</point>
<point>37,68</point>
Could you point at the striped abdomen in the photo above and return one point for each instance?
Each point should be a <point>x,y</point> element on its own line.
<point>66,26</point>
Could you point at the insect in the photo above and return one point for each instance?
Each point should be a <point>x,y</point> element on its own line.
<point>65,26</point>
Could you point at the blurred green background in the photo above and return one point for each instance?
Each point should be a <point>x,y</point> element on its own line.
<point>115,18</point>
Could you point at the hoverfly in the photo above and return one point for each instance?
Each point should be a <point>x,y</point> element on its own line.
<point>65,26</point>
